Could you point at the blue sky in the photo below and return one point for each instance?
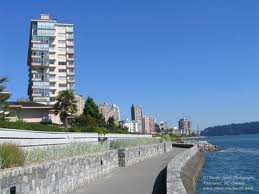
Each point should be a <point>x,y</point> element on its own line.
<point>175,58</point>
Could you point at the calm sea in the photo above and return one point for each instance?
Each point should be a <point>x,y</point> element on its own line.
<point>235,169</point>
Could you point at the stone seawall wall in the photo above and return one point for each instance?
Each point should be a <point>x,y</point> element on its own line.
<point>60,176</point>
<point>183,170</point>
<point>129,156</point>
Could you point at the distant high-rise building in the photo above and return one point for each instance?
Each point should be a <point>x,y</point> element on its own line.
<point>110,111</point>
<point>80,104</point>
<point>132,126</point>
<point>185,126</point>
<point>148,124</point>
<point>163,126</point>
<point>50,59</point>
<point>137,115</point>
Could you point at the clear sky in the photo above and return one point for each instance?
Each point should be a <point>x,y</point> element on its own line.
<point>174,57</point>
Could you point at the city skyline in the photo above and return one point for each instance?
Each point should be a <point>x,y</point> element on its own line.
<point>174,64</point>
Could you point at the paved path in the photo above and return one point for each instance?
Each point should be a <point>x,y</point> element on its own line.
<point>146,177</point>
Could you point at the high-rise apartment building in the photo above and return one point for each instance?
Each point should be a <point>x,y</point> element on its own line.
<point>148,124</point>
<point>110,111</point>
<point>50,59</point>
<point>80,104</point>
<point>185,126</point>
<point>137,115</point>
<point>163,126</point>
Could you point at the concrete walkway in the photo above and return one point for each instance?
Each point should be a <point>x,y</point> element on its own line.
<point>147,177</point>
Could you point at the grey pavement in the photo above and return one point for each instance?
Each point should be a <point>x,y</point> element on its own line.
<point>146,177</point>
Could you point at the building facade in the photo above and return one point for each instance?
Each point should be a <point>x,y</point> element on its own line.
<point>137,115</point>
<point>80,104</point>
<point>132,126</point>
<point>185,126</point>
<point>163,126</point>
<point>31,112</point>
<point>110,111</point>
<point>148,124</point>
<point>50,59</point>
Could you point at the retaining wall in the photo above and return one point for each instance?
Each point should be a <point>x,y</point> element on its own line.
<point>183,170</point>
<point>129,156</point>
<point>28,138</point>
<point>57,177</point>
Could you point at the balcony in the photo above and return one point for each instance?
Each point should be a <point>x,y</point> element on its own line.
<point>70,51</point>
<point>70,58</point>
<point>69,36</point>
<point>52,50</point>
<point>39,64</point>
<point>71,80</point>
<point>70,73</point>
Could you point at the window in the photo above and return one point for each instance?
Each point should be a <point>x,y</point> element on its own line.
<point>62,85</point>
<point>62,78</point>
<point>44,32</point>
<point>71,78</point>
<point>62,63</point>
<point>70,43</point>
<point>40,53</point>
<point>69,28</point>
<point>51,61</point>
<point>62,70</point>
<point>46,25</point>
<point>62,49</point>
<point>42,61</point>
<point>51,69</point>
<point>62,35</point>
<point>61,41</point>
<point>62,57</point>
<point>41,84</point>
<point>41,76</point>
<point>52,84</point>
<point>71,70</point>
<point>40,46</point>
<point>52,76</point>
<point>43,92</point>
<point>70,36</point>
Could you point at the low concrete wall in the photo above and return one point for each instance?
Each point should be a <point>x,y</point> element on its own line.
<point>57,177</point>
<point>28,138</point>
<point>129,156</point>
<point>183,170</point>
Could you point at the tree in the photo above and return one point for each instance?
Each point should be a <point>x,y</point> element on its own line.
<point>3,97</point>
<point>65,105</point>
<point>91,111</point>
<point>111,123</point>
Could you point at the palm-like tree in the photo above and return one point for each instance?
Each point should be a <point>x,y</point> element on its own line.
<point>65,105</point>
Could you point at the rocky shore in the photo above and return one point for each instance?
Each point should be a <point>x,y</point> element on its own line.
<point>204,146</point>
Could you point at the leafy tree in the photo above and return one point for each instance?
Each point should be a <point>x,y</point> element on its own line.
<point>65,105</point>
<point>91,111</point>
<point>111,123</point>
<point>3,96</point>
<point>85,120</point>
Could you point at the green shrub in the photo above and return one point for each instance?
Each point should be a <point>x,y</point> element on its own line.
<point>171,137</point>
<point>11,155</point>
<point>132,142</point>
<point>29,126</point>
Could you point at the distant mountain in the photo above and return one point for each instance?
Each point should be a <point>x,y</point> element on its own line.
<point>232,129</point>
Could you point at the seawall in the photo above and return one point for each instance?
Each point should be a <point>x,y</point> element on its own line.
<point>183,170</point>
<point>63,176</point>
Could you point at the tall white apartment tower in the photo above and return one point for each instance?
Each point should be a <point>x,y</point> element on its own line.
<point>50,59</point>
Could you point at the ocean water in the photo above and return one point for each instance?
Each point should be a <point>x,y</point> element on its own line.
<point>235,169</point>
